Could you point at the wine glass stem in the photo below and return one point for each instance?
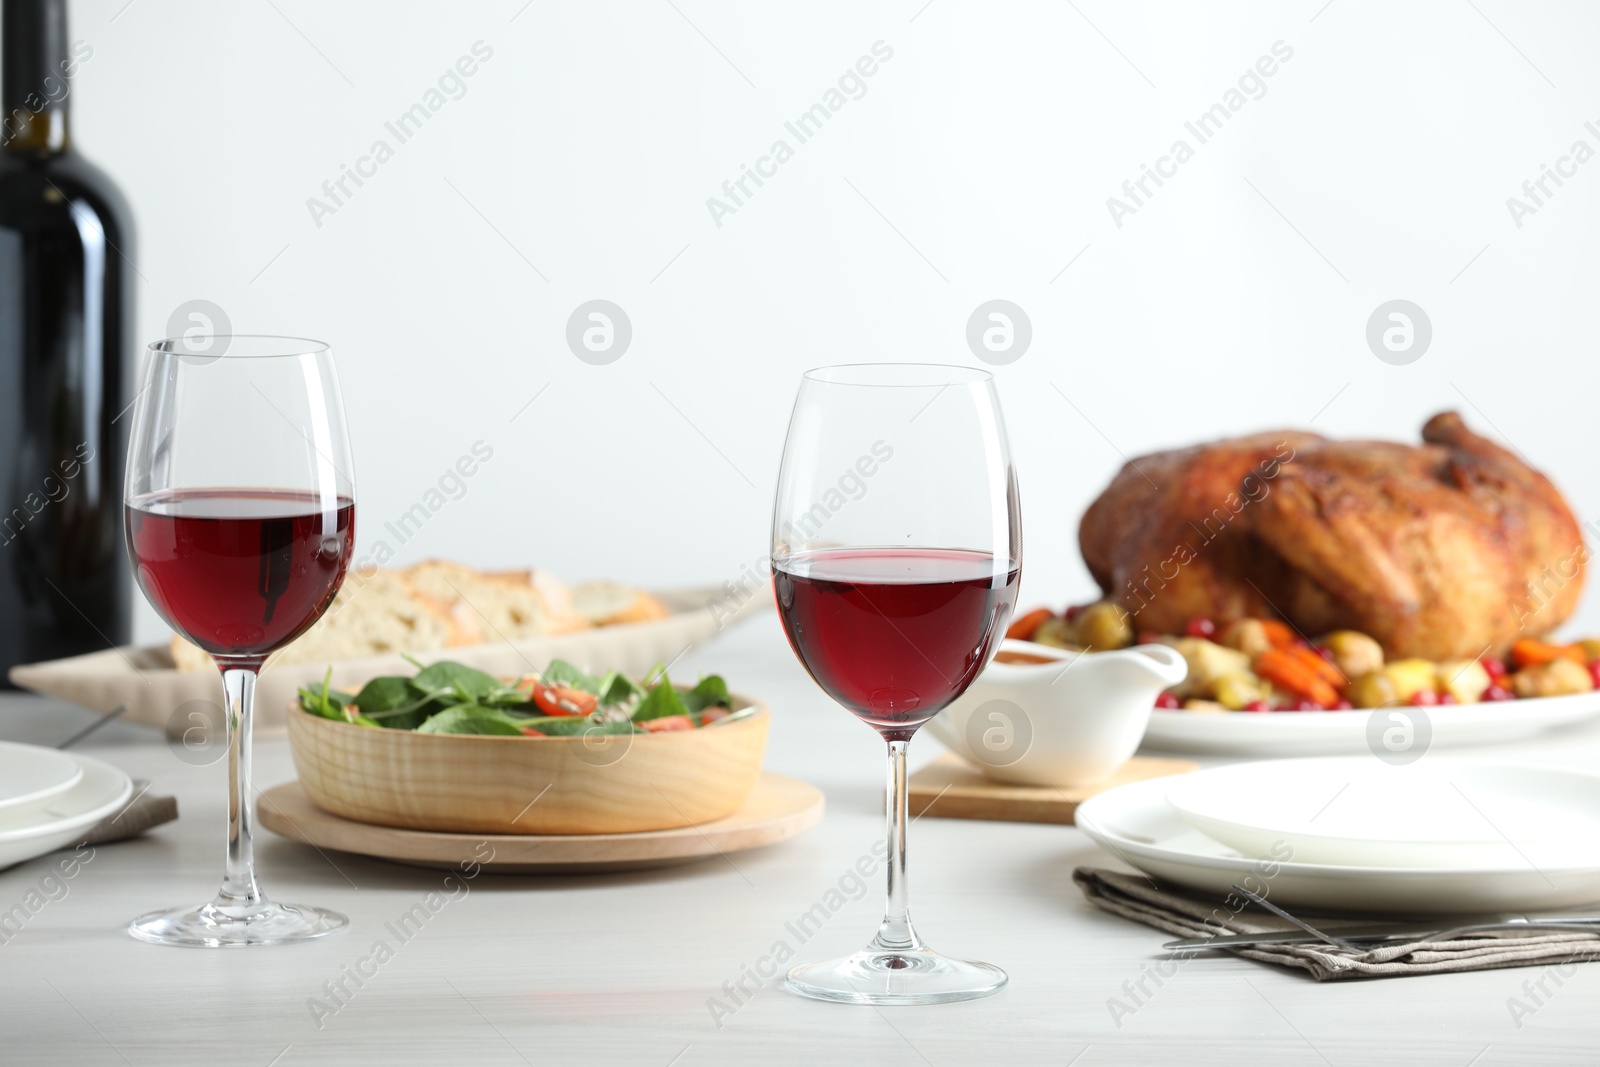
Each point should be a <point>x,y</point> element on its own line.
<point>239,887</point>
<point>896,934</point>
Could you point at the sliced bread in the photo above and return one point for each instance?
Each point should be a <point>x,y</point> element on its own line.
<point>375,612</point>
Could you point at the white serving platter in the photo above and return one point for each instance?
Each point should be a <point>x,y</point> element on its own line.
<point>1346,733</point>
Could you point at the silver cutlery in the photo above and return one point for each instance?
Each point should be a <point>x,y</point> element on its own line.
<point>1378,933</point>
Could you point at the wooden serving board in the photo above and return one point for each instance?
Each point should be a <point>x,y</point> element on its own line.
<point>777,808</point>
<point>950,788</point>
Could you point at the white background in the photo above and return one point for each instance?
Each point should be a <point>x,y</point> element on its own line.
<point>977,166</point>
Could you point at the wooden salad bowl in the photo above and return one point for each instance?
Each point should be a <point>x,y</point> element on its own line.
<point>469,783</point>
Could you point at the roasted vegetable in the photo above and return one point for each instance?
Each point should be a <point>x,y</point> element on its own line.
<point>1208,661</point>
<point>1463,679</point>
<point>1296,673</point>
<point>1024,628</point>
<point>1375,690</point>
<point>1559,677</point>
<point>1102,626</point>
<point>1246,635</point>
<point>1235,691</point>
<point>1529,652</point>
<point>1353,653</point>
<point>1055,632</point>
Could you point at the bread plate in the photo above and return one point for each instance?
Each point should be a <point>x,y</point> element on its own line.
<point>157,694</point>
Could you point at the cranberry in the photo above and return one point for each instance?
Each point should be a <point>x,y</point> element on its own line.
<point>1448,698</point>
<point>1494,667</point>
<point>1073,611</point>
<point>1200,626</point>
<point>1148,638</point>
<point>1257,705</point>
<point>1424,698</point>
<point>1594,673</point>
<point>1167,700</point>
<point>1343,705</point>
<point>1305,705</point>
<point>1498,692</point>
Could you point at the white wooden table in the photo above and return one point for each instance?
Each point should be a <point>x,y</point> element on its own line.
<point>624,968</point>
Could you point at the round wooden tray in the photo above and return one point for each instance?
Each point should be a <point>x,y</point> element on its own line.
<point>777,808</point>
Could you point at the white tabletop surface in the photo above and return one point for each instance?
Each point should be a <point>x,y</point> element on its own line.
<point>622,968</point>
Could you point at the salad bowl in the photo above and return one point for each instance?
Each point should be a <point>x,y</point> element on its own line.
<point>583,784</point>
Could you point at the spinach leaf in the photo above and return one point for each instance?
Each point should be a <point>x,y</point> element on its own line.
<point>467,683</point>
<point>386,694</point>
<point>616,688</point>
<point>332,704</point>
<point>326,702</point>
<point>471,719</point>
<point>660,702</point>
<point>711,692</point>
<point>560,672</point>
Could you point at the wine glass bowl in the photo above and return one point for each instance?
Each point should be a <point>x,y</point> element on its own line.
<point>896,557</point>
<point>240,521</point>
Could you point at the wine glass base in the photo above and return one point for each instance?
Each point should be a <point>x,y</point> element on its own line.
<point>881,976</point>
<point>216,925</point>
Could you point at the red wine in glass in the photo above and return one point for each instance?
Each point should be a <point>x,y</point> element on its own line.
<point>240,572</point>
<point>240,522</point>
<point>896,558</point>
<point>894,634</point>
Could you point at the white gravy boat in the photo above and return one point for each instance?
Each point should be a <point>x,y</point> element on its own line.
<point>1070,721</point>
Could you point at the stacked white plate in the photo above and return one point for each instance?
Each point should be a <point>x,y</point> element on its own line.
<point>49,799</point>
<point>1442,835</point>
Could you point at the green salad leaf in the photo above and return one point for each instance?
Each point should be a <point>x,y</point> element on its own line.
<point>471,719</point>
<point>560,672</point>
<point>467,683</point>
<point>710,692</point>
<point>618,688</point>
<point>660,702</point>
<point>452,698</point>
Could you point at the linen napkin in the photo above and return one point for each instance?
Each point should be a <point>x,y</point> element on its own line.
<point>1188,914</point>
<point>138,815</point>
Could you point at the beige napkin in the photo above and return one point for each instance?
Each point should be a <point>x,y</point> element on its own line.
<point>138,815</point>
<point>1186,914</point>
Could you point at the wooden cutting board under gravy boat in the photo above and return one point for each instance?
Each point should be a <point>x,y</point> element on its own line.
<point>952,788</point>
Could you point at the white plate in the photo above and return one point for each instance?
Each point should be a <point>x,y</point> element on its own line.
<point>63,820</point>
<point>1136,824</point>
<point>1345,733</point>
<point>30,775</point>
<point>1357,811</point>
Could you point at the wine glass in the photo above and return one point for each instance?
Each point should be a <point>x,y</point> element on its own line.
<point>240,516</point>
<point>896,555</point>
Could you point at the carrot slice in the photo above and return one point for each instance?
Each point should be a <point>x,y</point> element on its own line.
<point>1529,652</point>
<point>1287,671</point>
<point>1024,628</point>
<point>1279,633</point>
<point>1318,666</point>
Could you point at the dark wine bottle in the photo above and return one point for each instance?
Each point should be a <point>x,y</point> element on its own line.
<point>66,301</point>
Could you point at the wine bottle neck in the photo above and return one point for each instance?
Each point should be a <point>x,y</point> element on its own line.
<point>35,67</point>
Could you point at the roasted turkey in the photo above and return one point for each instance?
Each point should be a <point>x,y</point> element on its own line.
<point>1446,550</point>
